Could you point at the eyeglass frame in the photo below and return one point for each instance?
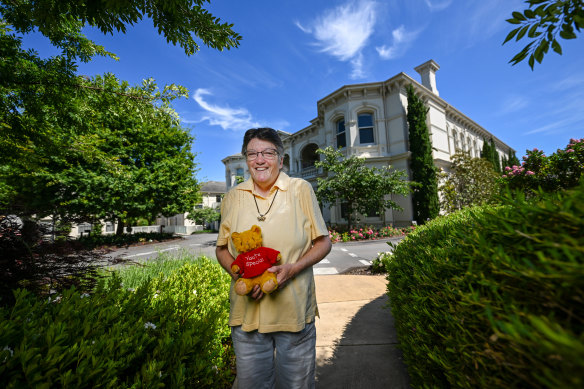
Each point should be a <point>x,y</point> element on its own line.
<point>275,151</point>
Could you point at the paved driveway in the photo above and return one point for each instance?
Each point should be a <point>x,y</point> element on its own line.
<point>342,257</point>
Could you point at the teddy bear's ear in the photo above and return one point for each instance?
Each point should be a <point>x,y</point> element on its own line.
<point>256,229</point>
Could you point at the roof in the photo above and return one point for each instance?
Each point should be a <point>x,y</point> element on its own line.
<point>214,187</point>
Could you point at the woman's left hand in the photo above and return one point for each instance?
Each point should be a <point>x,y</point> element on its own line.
<point>283,273</point>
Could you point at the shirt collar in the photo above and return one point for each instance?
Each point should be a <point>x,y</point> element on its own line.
<point>282,183</point>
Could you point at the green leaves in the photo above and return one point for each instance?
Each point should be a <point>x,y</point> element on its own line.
<point>492,294</point>
<point>168,330</point>
<point>204,215</point>
<point>82,149</point>
<point>179,21</point>
<point>472,181</point>
<point>542,25</point>
<point>425,196</point>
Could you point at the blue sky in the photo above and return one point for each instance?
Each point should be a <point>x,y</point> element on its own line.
<point>295,52</point>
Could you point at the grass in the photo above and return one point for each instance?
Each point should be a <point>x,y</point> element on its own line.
<point>135,274</point>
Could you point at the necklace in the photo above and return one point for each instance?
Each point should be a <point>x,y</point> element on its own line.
<point>261,218</point>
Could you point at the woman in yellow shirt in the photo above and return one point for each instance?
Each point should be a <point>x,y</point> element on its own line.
<point>274,335</point>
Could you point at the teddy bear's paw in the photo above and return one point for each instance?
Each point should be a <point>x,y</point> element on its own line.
<point>269,286</point>
<point>241,288</point>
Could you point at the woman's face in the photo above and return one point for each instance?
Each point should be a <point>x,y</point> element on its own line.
<point>264,172</point>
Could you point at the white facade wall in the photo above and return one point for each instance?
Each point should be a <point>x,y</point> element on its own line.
<point>387,103</point>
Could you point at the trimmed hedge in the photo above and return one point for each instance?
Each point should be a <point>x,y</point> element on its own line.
<point>97,240</point>
<point>169,332</point>
<point>494,297</point>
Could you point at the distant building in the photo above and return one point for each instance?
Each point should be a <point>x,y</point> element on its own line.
<point>369,120</point>
<point>212,192</point>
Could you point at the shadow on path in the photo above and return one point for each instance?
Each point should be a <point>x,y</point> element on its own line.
<point>366,354</point>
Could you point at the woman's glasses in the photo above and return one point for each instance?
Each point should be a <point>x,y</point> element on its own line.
<point>267,154</point>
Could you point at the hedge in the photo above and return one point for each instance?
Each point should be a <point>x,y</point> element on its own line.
<point>169,332</point>
<point>494,297</point>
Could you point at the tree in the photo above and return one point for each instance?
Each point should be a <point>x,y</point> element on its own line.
<point>204,215</point>
<point>510,160</point>
<point>179,21</point>
<point>425,194</point>
<point>489,152</point>
<point>94,149</point>
<point>542,22</point>
<point>472,181</point>
<point>562,170</point>
<point>363,189</point>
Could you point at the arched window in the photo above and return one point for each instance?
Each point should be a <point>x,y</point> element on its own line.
<point>365,121</point>
<point>341,134</point>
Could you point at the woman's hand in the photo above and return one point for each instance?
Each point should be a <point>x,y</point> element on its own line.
<point>256,293</point>
<point>283,273</point>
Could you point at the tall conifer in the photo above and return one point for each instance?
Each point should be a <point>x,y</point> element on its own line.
<point>495,157</point>
<point>425,197</point>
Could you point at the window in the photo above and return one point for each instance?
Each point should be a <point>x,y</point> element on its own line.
<point>239,172</point>
<point>341,134</point>
<point>218,198</point>
<point>372,212</point>
<point>366,128</point>
<point>344,211</point>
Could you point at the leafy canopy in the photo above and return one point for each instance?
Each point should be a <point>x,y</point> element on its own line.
<point>472,181</point>
<point>364,189</point>
<point>81,149</point>
<point>180,21</point>
<point>542,22</point>
<point>204,215</point>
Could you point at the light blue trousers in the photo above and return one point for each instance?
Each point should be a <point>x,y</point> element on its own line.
<point>282,360</point>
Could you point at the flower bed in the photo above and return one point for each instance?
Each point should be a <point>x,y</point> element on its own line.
<point>368,233</point>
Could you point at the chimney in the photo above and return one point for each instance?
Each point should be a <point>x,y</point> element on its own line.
<point>428,72</point>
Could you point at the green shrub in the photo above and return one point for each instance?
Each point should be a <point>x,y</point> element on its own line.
<point>381,263</point>
<point>493,297</point>
<point>92,241</point>
<point>171,331</point>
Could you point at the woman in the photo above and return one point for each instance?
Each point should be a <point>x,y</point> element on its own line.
<point>274,335</point>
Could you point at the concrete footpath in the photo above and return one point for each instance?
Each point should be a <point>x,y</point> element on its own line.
<point>355,336</point>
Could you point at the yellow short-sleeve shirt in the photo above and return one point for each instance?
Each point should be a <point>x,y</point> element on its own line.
<point>291,225</point>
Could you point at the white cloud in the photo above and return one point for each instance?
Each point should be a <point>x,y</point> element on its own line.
<point>513,104</point>
<point>569,82</point>
<point>344,31</point>
<point>357,63</point>
<point>402,40</point>
<point>307,30</point>
<point>487,18</point>
<point>552,128</point>
<point>226,117</point>
<point>438,5</point>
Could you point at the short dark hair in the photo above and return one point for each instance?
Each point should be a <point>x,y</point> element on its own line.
<point>265,133</point>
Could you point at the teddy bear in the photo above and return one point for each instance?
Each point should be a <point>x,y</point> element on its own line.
<point>253,262</point>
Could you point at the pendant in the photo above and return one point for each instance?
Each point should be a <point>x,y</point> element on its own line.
<point>261,218</point>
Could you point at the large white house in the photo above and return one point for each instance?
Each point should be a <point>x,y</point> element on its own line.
<point>369,120</point>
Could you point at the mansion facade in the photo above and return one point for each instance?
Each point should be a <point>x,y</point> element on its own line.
<point>369,120</point>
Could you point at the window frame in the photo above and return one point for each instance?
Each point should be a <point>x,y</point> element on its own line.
<point>343,133</point>
<point>371,128</point>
